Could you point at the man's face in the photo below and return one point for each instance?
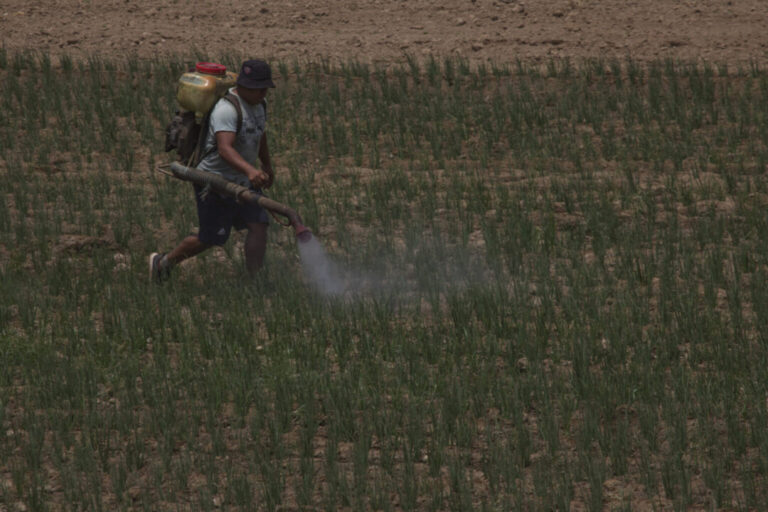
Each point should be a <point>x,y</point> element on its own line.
<point>252,96</point>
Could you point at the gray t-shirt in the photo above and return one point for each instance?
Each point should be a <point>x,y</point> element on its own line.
<point>224,118</point>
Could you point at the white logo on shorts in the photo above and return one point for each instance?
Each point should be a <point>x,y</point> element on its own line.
<point>222,231</point>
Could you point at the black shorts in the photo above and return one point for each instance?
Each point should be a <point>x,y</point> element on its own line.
<point>218,215</point>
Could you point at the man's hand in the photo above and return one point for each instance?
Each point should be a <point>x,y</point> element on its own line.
<point>259,179</point>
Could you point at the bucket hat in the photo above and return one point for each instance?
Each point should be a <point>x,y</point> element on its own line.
<point>255,74</point>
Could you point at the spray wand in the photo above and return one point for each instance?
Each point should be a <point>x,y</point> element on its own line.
<point>242,194</point>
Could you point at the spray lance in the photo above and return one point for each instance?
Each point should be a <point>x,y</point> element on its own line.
<point>242,194</point>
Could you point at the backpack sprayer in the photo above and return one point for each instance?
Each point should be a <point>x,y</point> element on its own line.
<point>197,93</point>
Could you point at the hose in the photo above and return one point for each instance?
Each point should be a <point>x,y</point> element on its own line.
<point>239,192</point>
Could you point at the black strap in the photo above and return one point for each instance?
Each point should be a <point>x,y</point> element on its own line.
<point>204,129</point>
<point>235,101</point>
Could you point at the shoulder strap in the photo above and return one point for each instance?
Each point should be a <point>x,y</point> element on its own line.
<point>236,103</point>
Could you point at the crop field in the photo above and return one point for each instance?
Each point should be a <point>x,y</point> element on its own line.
<point>553,292</point>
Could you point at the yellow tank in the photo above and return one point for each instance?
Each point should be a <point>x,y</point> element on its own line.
<point>199,90</point>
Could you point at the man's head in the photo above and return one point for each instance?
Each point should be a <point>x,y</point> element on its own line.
<point>253,81</point>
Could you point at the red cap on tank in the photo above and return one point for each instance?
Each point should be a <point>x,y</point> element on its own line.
<point>210,68</point>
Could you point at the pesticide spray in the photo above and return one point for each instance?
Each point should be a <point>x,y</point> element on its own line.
<point>318,267</point>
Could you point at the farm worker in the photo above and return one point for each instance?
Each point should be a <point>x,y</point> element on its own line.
<point>231,154</point>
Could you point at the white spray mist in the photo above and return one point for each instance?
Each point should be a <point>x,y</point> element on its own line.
<point>319,269</point>
<point>440,274</point>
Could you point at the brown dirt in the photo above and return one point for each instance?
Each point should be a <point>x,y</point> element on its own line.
<point>731,31</point>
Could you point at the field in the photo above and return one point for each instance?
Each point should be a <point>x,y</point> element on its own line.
<point>556,292</point>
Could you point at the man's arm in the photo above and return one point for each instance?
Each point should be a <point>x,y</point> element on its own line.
<point>225,144</point>
<point>266,162</point>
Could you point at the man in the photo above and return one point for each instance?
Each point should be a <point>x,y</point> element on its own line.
<point>232,154</point>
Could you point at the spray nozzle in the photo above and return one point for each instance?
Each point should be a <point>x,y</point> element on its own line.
<point>303,234</point>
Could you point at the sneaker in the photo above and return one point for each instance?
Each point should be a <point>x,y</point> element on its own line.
<point>157,274</point>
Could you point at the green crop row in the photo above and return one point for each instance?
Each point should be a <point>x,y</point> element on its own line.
<point>556,294</point>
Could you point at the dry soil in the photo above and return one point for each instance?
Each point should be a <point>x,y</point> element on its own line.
<point>729,31</point>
